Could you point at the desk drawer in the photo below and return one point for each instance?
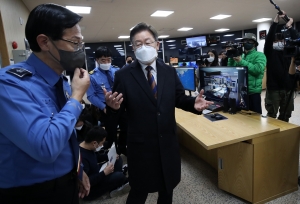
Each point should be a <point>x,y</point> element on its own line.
<point>235,170</point>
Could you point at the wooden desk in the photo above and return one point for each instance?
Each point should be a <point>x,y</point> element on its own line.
<point>256,158</point>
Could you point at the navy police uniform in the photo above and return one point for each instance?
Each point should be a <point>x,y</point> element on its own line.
<point>35,148</point>
<point>100,79</point>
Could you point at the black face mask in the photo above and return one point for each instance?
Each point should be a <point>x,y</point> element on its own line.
<point>70,60</point>
<point>129,61</point>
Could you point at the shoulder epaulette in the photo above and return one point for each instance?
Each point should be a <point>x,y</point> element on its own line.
<point>19,72</point>
<point>92,72</point>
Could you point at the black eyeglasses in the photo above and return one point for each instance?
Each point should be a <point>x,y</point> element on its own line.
<point>77,45</point>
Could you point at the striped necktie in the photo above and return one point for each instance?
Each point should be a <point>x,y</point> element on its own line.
<point>151,81</point>
<point>61,98</point>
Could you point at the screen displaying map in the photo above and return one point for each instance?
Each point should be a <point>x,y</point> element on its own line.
<point>187,78</point>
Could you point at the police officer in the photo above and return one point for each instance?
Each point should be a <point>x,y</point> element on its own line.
<point>102,77</point>
<point>39,157</point>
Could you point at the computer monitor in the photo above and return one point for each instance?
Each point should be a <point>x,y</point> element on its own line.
<point>225,82</point>
<point>187,78</point>
<point>184,64</point>
<point>193,64</point>
<point>199,41</point>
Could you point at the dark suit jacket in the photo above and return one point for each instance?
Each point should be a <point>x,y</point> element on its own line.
<point>152,144</point>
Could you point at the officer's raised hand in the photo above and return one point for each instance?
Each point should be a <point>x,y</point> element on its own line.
<point>80,83</point>
<point>113,100</point>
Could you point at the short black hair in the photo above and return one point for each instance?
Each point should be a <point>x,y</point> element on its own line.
<point>50,20</point>
<point>97,133</point>
<point>102,51</point>
<point>128,57</point>
<point>143,27</point>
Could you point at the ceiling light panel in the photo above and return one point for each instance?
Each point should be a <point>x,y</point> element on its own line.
<point>185,29</point>
<point>222,29</point>
<point>123,36</point>
<point>220,17</point>
<point>79,9</point>
<point>163,36</point>
<point>160,13</point>
<point>262,20</point>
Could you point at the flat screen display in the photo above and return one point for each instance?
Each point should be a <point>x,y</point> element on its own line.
<point>225,82</point>
<point>196,42</point>
<point>187,78</point>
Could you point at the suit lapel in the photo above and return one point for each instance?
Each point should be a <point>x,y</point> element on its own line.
<point>161,74</point>
<point>140,78</point>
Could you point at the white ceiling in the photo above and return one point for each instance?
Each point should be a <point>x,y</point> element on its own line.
<point>111,18</point>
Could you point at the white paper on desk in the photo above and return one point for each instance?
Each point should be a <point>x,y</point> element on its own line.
<point>112,157</point>
<point>205,111</point>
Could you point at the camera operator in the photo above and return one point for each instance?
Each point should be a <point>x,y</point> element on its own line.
<point>228,46</point>
<point>212,61</point>
<point>279,85</point>
<point>256,62</point>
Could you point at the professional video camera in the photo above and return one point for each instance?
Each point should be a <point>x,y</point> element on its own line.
<point>233,49</point>
<point>292,49</point>
<point>200,58</point>
<point>292,39</point>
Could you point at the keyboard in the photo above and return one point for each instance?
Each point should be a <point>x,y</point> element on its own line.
<point>215,107</point>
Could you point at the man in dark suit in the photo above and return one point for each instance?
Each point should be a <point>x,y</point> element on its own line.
<point>149,91</point>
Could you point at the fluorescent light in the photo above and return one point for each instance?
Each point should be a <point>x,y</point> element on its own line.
<point>213,44</point>
<point>163,36</point>
<point>172,45</point>
<point>171,41</point>
<point>238,38</point>
<point>79,9</point>
<point>228,35</point>
<point>162,13</point>
<point>223,42</point>
<point>222,29</point>
<point>262,20</point>
<point>87,48</point>
<point>130,45</point>
<point>184,29</point>
<point>117,45</point>
<point>119,48</point>
<point>171,48</point>
<point>123,36</point>
<point>220,17</point>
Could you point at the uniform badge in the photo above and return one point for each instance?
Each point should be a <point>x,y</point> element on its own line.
<point>67,95</point>
<point>19,72</point>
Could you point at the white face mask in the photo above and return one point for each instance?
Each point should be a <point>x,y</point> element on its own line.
<point>105,66</point>
<point>278,46</point>
<point>79,128</point>
<point>146,54</point>
<point>211,59</point>
<point>99,148</point>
